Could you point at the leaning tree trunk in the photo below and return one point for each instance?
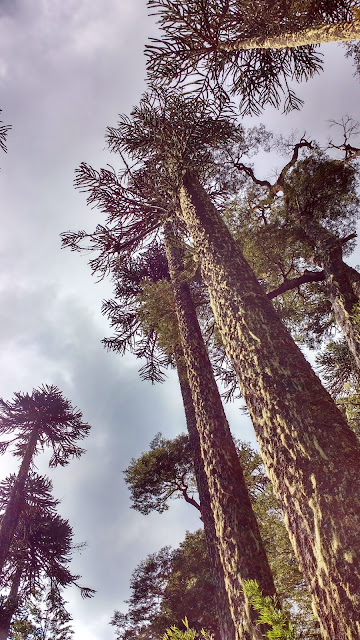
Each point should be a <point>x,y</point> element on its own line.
<point>15,505</point>
<point>9,607</point>
<point>342,281</point>
<point>226,625</point>
<point>310,453</point>
<point>320,34</point>
<point>238,538</point>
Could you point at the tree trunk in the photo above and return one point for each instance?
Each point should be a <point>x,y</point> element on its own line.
<point>226,625</point>
<point>238,539</point>
<point>310,453</point>
<point>338,32</point>
<point>9,607</point>
<point>14,507</point>
<point>342,281</point>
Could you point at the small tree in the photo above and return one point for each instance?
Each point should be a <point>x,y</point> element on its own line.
<point>43,419</point>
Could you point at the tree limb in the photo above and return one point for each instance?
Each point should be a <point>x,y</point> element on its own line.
<point>288,285</point>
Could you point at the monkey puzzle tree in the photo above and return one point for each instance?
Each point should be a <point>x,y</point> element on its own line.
<point>39,554</point>
<point>43,419</point>
<point>231,522</point>
<point>310,453</point>
<point>255,48</point>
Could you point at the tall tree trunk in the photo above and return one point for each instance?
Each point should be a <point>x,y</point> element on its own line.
<point>10,605</point>
<point>310,453</point>
<point>238,538</point>
<point>342,281</point>
<point>337,32</point>
<point>15,505</point>
<point>226,625</point>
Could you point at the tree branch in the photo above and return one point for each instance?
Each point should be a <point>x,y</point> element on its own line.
<point>288,285</point>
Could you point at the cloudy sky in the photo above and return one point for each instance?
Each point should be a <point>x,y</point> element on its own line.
<point>67,69</point>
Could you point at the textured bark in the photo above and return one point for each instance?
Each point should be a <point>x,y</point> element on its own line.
<point>226,625</point>
<point>10,605</point>
<point>310,453</point>
<point>14,507</point>
<point>338,32</point>
<point>238,538</point>
<point>342,281</point>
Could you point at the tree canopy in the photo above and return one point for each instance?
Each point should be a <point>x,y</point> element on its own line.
<point>249,49</point>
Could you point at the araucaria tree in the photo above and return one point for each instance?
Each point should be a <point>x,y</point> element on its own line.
<point>39,556</point>
<point>232,532</point>
<point>43,419</point>
<point>311,455</point>
<point>256,48</point>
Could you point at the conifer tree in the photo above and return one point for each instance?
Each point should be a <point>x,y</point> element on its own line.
<point>311,455</point>
<point>255,48</point>
<point>40,552</point>
<point>233,536</point>
<point>43,419</point>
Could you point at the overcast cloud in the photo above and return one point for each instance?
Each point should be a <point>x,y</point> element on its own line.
<point>67,68</point>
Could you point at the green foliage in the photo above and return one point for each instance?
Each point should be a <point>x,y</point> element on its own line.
<point>337,366</point>
<point>166,471</point>
<point>277,255</point>
<point>174,633</point>
<point>324,189</point>
<point>167,586</point>
<point>157,313</point>
<point>171,584</point>
<point>269,613</point>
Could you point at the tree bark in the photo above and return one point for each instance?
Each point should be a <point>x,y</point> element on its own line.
<point>310,453</point>
<point>342,281</point>
<point>226,625</point>
<point>337,32</point>
<point>10,605</point>
<point>238,538</point>
<point>14,507</point>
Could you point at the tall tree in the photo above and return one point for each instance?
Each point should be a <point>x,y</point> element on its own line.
<point>40,552</point>
<point>223,490</point>
<point>43,419</point>
<point>255,48</point>
<point>237,534</point>
<point>127,320</point>
<point>313,469</point>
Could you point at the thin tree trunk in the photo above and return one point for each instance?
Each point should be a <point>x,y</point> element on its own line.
<point>226,625</point>
<point>342,281</point>
<point>338,32</point>
<point>10,605</point>
<point>310,453</point>
<point>238,538</point>
<point>14,507</point>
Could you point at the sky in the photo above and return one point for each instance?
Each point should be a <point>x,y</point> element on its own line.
<point>67,69</point>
